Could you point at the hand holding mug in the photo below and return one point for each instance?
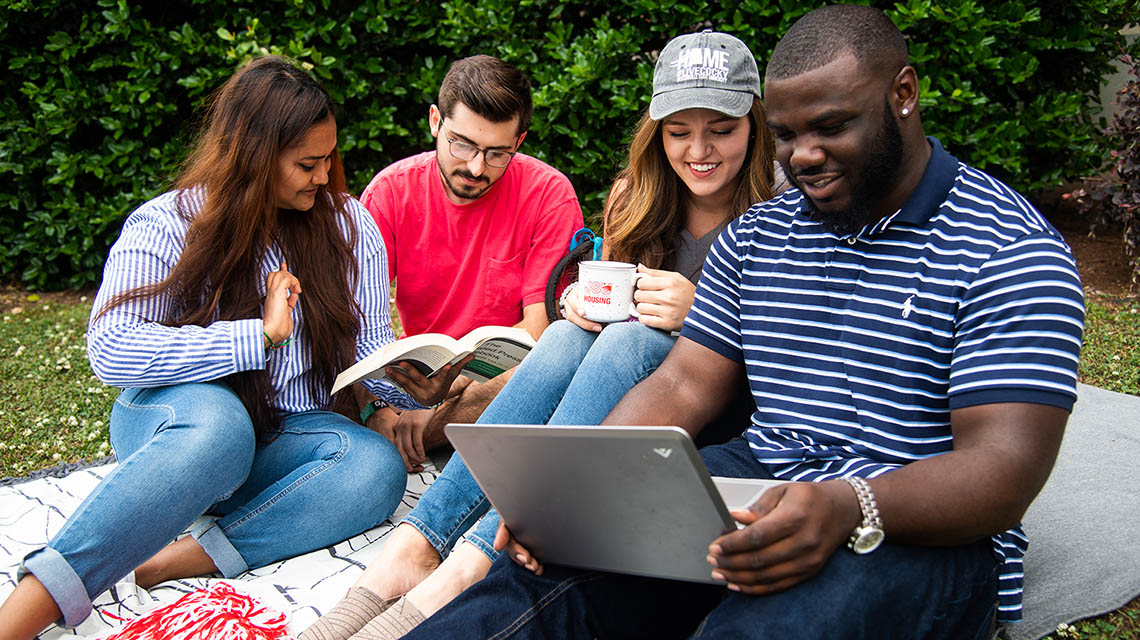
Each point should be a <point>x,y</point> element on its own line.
<point>573,310</point>
<point>663,298</point>
<point>605,289</point>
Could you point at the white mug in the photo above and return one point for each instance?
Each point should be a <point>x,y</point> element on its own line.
<point>606,290</point>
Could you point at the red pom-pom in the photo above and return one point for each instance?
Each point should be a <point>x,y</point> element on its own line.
<point>217,613</point>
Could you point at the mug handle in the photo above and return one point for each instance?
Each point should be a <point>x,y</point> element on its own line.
<point>637,275</point>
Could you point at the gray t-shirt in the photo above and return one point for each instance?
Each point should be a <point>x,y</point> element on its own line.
<point>691,252</point>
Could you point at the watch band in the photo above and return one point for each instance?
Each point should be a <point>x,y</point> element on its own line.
<point>869,534</point>
<point>371,408</point>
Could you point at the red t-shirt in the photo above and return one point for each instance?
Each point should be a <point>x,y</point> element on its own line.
<point>458,267</point>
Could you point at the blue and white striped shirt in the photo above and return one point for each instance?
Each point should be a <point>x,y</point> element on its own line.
<point>857,348</point>
<point>128,347</point>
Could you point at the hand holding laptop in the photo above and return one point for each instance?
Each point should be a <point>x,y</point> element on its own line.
<point>592,496</point>
<point>506,543</point>
<point>786,533</point>
<point>744,558</point>
<point>789,534</point>
<point>746,503</point>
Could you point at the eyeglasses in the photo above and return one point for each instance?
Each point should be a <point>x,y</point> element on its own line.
<point>466,151</point>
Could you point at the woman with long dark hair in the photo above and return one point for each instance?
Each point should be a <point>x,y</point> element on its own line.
<point>700,156</point>
<point>228,306</point>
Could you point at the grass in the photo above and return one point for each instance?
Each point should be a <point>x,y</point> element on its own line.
<point>1123,624</point>
<point>54,410</point>
<point>1110,356</point>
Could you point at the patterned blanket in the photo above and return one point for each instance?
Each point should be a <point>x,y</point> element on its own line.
<point>1083,559</point>
<point>302,587</point>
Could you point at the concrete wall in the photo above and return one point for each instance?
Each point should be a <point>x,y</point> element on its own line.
<point>1116,81</point>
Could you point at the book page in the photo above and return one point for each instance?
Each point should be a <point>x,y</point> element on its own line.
<point>471,341</point>
<point>431,350</point>
<point>432,356</point>
<point>495,356</point>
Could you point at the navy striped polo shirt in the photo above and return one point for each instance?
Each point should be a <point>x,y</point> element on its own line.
<point>858,347</point>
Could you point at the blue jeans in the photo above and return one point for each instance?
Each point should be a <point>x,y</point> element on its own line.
<point>899,591</point>
<point>571,377</point>
<point>189,449</point>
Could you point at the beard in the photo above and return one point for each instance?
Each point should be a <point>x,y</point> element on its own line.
<point>459,189</point>
<point>878,178</point>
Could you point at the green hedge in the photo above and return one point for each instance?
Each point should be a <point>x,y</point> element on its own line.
<point>99,101</point>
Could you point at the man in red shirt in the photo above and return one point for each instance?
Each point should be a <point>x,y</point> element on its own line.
<point>472,231</point>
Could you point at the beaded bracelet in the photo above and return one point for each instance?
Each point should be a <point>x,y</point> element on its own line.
<point>562,298</point>
<point>273,346</point>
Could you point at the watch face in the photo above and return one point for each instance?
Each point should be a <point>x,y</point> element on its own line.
<point>867,539</point>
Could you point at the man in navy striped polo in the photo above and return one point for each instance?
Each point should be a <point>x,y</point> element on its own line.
<point>910,329</point>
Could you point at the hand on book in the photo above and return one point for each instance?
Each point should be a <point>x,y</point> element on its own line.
<point>427,391</point>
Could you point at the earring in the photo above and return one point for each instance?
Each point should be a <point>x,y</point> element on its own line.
<point>905,112</point>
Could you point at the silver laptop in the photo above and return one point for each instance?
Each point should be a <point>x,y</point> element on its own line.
<point>635,500</point>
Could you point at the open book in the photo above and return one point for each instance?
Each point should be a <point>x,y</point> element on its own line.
<point>496,350</point>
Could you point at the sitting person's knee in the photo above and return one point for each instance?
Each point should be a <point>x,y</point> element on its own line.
<point>371,466</point>
<point>635,339</point>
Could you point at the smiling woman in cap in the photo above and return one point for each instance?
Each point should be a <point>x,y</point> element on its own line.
<point>700,156</point>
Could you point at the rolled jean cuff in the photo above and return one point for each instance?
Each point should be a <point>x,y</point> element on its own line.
<point>488,548</point>
<point>216,545</point>
<point>59,578</point>
<point>439,543</point>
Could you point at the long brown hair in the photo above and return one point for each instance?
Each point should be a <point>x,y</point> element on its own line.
<point>265,108</point>
<point>646,211</point>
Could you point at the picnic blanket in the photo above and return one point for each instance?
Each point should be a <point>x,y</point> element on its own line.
<point>301,588</point>
<point>1083,559</point>
<point>1084,552</point>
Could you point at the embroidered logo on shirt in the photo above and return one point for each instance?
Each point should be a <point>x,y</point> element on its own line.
<point>907,307</point>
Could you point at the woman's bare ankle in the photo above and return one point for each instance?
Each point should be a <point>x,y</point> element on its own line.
<point>405,560</point>
<point>464,567</point>
<point>28,610</point>
<point>182,558</point>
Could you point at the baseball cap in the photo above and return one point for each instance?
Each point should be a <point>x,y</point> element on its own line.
<point>706,70</point>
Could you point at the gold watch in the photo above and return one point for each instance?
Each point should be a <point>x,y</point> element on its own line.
<point>869,534</point>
